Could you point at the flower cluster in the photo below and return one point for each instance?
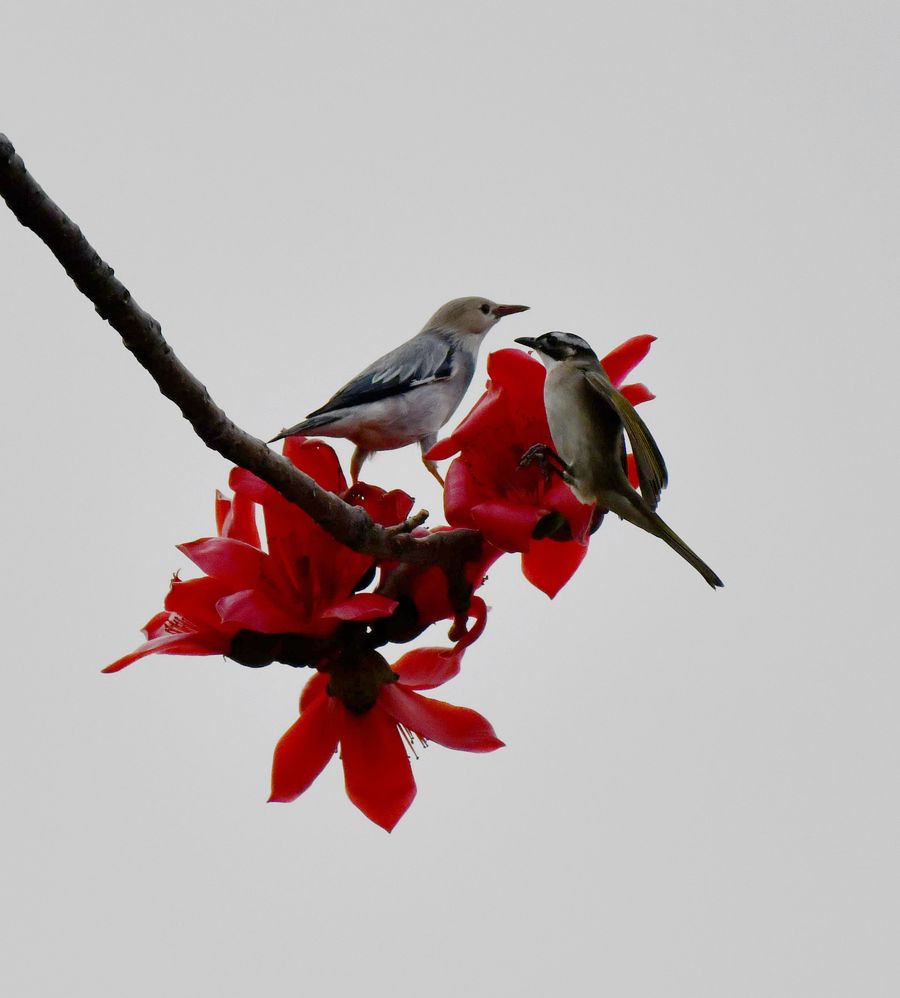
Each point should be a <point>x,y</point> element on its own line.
<point>298,599</point>
<point>302,598</point>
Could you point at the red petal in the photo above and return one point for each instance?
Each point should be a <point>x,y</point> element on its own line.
<point>257,612</point>
<point>425,668</point>
<point>461,493</point>
<point>314,689</point>
<point>386,508</point>
<point>245,483</point>
<point>632,472</point>
<point>508,525</point>
<point>636,394</point>
<point>195,599</point>
<point>223,507</point>
<point>617,363</point>
<point>444,449</point>
<point>240,521</point>
<point>156,625</point>
<point>550,564</point>
<point>361,606</point>
<point>480,415</point>
<point>428,588</point>
<point>317,460</point>
<point>187,643</point>
<point>477,610</point>
<point>305,749</point>
<point>235,562</point>
<point>514,371</point>
<point>448,725</point>
<point>580,516</point>
<point>377,773</point>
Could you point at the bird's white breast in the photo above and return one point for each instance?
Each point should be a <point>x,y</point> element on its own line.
<point>402,419</point>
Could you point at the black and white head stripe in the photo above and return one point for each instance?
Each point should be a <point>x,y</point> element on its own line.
<point>559,346</point>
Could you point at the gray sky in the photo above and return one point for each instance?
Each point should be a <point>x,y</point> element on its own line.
<point>699,791</point>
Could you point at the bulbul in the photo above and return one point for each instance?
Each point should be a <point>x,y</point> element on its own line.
<point>407,395</point>
<point>588,420</point>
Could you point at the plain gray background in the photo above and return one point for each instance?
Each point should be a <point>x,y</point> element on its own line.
<point>699,793</point>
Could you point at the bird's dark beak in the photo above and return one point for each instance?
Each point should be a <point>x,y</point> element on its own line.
<point>501,310</point>
<point>526,341</point>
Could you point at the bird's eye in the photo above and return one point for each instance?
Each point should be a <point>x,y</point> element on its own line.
<point>485,308</point>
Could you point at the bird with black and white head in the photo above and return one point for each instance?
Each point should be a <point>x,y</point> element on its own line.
<point>589,418</point>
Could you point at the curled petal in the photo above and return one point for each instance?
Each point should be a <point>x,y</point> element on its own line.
<point>317,460</point>
<point>516,372</point>
<point>445,448</point>
<point>235,562</point>
<point>448,725</point>
<point>240,520</point>
<point>223,507</point>
<point>461,493</point>
<point>425,668</point>
<point>186,643</point>
<point>245,483</point>
<point>156,625</point>
<point>477,610</point>
<point>377,774</point>
<point>305,749</point>
<point>619,362</point>
<point>508,525</point>
<point>636,394</point>
<point>361,606</point>
<point>550,564</point>
<point>386,508</point>
<point>468,429</point>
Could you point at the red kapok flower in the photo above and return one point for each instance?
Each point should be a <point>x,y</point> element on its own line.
<point>190,623</point>
<point>377,773</point>
<point>304,583</point>
<point>515,508</point>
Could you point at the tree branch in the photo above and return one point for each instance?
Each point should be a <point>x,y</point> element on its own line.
<point>142,335</point>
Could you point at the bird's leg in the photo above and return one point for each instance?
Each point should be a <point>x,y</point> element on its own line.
<point>356,463</point>
<point>548,461</point>
<point>426,443</point>
<point>431,467</point>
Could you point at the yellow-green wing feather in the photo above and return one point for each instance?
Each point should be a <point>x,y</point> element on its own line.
<point>651,467</point>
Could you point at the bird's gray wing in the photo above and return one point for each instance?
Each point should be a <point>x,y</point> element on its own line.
<point>422,360</point>
<point>651,467</point>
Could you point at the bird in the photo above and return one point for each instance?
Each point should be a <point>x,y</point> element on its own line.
<point>407,395</point>
<point>588,419</point>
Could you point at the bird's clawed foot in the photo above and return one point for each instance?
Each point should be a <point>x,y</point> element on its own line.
<point>547,460</point>
<point>356,463</point>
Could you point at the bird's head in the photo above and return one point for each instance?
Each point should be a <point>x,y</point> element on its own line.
<point>554,348</point>
<point>474,316</point>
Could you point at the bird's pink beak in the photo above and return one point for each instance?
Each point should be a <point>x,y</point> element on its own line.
<point>501,310</point>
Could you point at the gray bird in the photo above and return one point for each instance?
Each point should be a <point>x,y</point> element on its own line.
<point>588,420</point>
<point>407,395</point>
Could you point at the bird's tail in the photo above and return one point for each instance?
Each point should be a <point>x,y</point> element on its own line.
<point>636,511</point>
<point>316,423</point>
